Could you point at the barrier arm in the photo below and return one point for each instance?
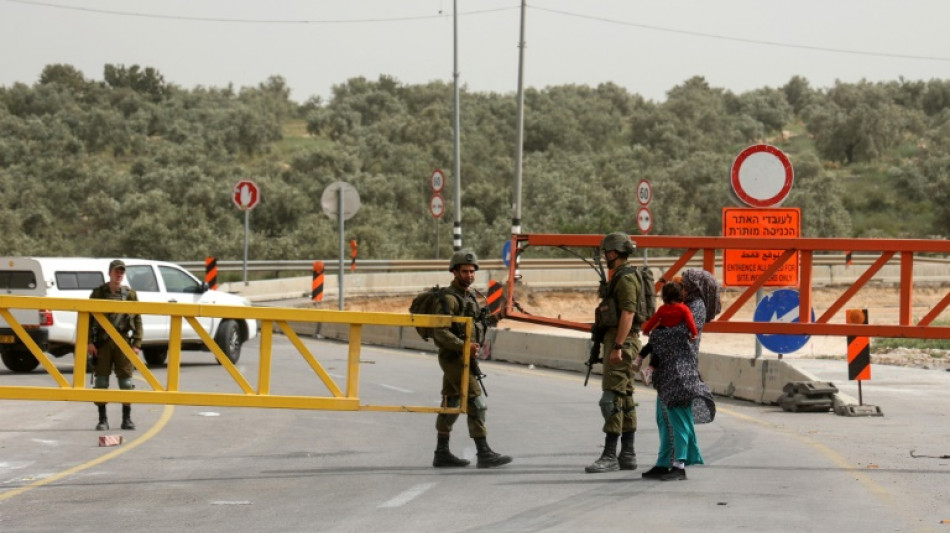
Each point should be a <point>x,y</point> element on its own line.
<point>802,250</point>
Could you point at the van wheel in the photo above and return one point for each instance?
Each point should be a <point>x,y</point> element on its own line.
<point>18,360</point>
<point>228,339</point>
<point>155,356</point>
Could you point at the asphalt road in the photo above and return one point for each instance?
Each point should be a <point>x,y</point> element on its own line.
<point>197,469</point>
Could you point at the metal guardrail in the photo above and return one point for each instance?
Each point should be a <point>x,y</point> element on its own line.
<point>433,265</point>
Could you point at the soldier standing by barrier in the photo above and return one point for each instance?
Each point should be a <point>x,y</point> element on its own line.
<point>105,353</point>
<point>459,300</point>
<point>616,322</point>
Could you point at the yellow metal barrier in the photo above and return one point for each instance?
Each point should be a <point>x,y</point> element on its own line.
<point>340,398</point>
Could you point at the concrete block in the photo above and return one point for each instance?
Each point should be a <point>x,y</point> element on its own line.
<point>564,353</point>
<point>811,388</point>
<point>858,410</point>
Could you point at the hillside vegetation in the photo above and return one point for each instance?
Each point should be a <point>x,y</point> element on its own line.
<point>135,165</point>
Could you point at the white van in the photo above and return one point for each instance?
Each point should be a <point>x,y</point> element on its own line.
<point>75,277</point>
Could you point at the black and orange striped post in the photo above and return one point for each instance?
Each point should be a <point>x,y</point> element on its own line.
<point>859,351</point>
<point>316,288</point>
<point>494,297</point>
<point>211,272</point>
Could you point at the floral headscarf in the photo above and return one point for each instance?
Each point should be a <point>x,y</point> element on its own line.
<point>702,284</point>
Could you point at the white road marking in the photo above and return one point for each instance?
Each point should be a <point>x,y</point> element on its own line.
<point>407,496</point>
<point>397,389</point>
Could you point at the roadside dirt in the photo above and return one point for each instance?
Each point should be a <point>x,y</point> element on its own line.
<point>882,304</point>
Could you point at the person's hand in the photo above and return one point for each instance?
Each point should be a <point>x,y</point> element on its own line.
<point>692,338</point>
<point>474,350</point>
<point>616,355</point>
<point>93,351</point>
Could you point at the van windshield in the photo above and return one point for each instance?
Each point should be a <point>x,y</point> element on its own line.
<point>17,279</point>
<point>77,281</point>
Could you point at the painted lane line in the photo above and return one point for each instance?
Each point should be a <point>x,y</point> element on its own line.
<point>397,389</point>
<point>154,430</point>
<point>407,496</point>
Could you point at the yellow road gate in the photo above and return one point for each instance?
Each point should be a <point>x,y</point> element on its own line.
<point>340,398</point>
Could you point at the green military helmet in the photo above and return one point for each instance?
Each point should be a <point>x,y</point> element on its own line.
<point>618,242</point>
<point>463,257</point>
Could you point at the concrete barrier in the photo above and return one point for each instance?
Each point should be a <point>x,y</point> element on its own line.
<point>740,377</point>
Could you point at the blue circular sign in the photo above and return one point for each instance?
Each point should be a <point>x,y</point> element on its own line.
<point>506,254</point>
<point>780,306</point>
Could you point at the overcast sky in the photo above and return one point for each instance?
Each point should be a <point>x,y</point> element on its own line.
<point>646,47</point>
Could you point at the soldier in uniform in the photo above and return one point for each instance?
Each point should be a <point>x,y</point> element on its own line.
<point>106,355</point>
<point>621,344</point>
<point>459,300</point>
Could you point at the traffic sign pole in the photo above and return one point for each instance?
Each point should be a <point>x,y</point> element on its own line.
<point>246,195</point>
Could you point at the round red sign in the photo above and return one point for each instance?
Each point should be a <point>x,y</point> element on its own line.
<point>762,176</point>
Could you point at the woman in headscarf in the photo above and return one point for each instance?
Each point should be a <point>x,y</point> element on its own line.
<point>682,398</point>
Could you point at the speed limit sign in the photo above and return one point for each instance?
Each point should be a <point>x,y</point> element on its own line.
<point>644,192</point>
<point>437,181</point>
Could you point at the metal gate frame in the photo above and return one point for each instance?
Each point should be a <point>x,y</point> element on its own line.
<point>803,250</point>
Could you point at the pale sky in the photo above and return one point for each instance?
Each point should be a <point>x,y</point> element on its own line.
<point>648,47</point>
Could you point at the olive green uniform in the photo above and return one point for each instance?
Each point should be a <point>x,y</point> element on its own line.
<point>109,356</point>
<point>459,302</point>
<point>616,403</point>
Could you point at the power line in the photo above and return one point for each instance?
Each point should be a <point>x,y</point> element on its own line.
<point>246,21</point>
<point>441,15</point>
<point>740,39</point>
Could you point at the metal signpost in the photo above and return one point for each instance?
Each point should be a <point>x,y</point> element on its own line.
<point>761,176</point>
<point>246,195</point>
<point>644,216</point>
<point>341,201</point>
<point>436,203</point>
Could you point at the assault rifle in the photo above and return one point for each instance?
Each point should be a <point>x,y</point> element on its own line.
<point>596,339</point>
<point>596,333</point>
<point>483,321</point>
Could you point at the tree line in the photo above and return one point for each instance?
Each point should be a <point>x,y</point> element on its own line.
<point>134,165</point>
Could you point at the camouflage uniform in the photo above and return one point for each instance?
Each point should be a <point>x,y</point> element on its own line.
<point>460,302</point>
<point>457,300</point>
<point>109,356</point>
<point>618,407</point>
<point>616,400</point>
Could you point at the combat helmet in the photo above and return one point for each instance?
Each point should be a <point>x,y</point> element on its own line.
<point>463,257</point>
<point>618,242</point>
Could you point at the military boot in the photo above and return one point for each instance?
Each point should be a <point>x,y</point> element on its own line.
<point>103,419</point>
<point>443,457</point>
<point>608,459</point>
<point>627,458</point>
<point>127,417</point>
<point>488,458</point>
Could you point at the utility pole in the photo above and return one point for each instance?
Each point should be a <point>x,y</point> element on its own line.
<point>457,165</point>
<point>519,137</point>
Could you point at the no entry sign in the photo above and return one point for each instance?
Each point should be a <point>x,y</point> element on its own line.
<point>762,176</point>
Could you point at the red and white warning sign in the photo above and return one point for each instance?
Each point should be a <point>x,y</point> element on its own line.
<point>762,176</point>
<point>246,195</point>
<point>437,205</point>
<point>644,220</point>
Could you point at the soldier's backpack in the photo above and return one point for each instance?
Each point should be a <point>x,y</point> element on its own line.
<point>430,302</point>
<point>607,315</point>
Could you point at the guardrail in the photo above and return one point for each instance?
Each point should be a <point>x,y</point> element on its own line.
<point>331,266</point>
